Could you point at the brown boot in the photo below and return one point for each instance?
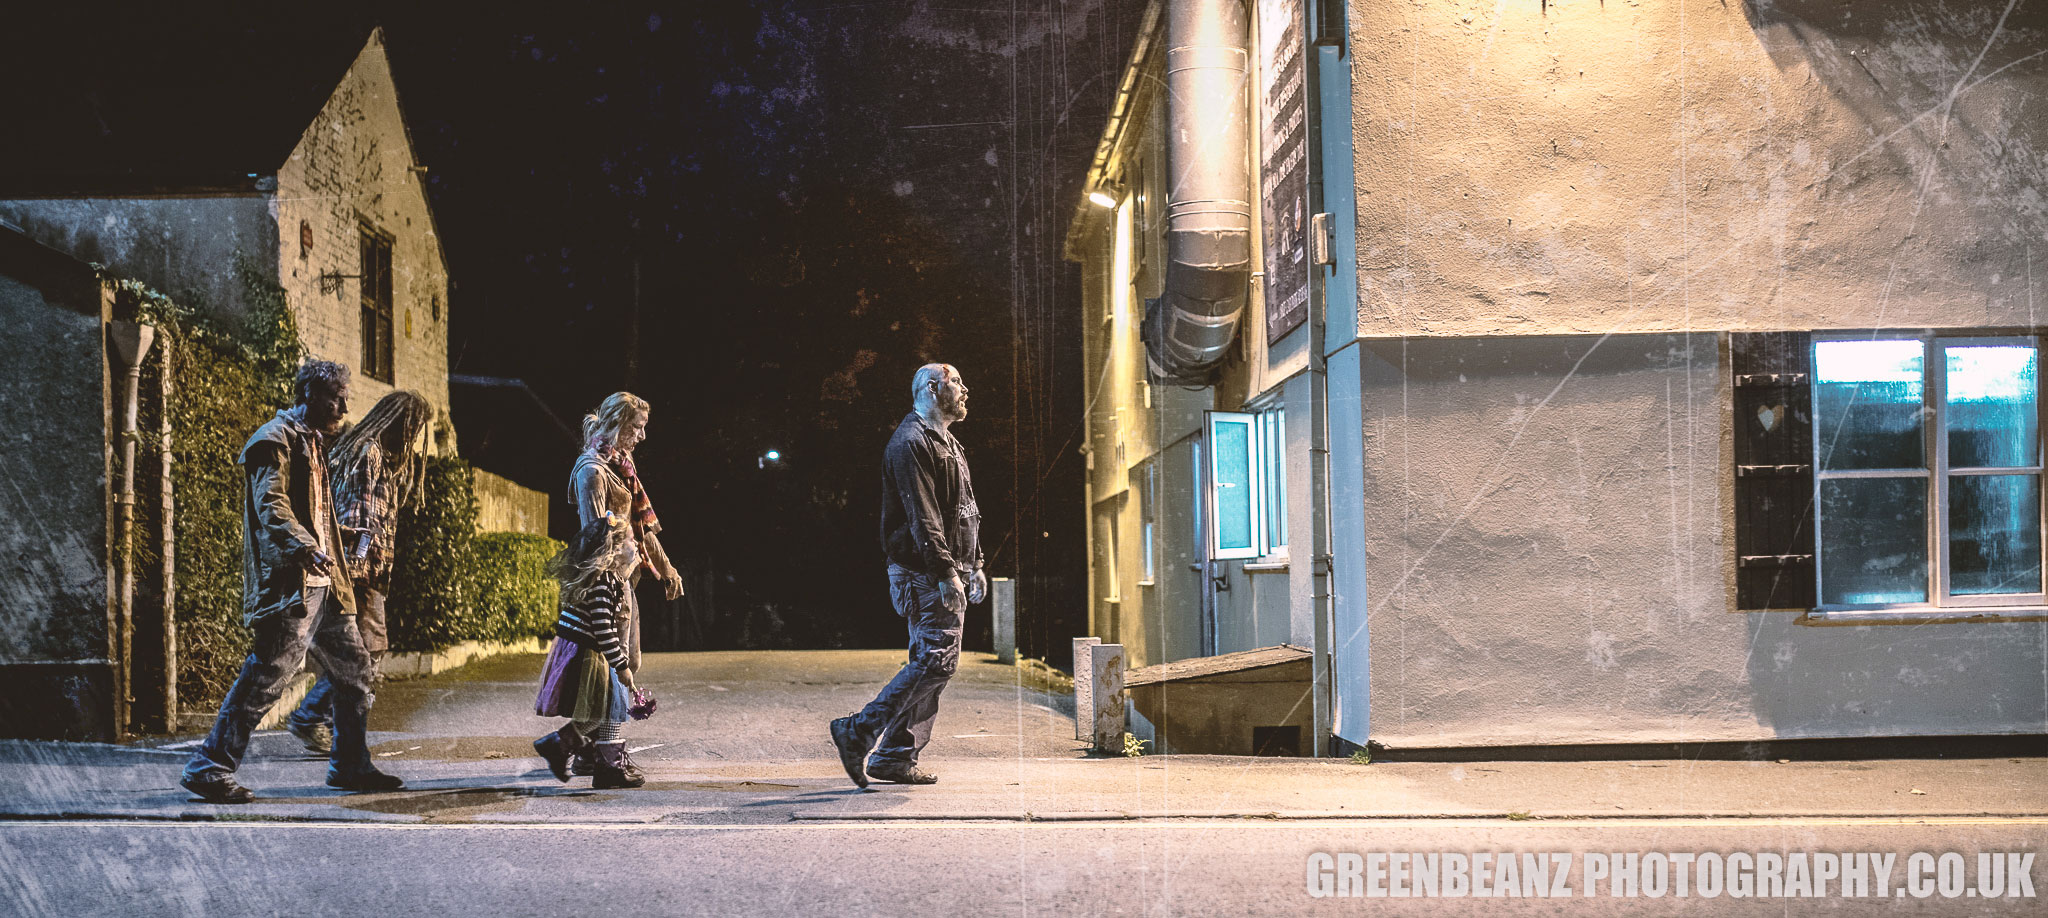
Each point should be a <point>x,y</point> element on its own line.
<point>558,746</point>
<point>614,769</point>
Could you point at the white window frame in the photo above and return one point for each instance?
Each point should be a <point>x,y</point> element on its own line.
<point>1934,402</point>
<point>1265,452</point>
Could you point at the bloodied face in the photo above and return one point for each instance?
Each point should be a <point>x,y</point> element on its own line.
<point>326,405</point>
<point>951,396</point>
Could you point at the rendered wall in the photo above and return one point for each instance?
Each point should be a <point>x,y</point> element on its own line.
<point>55,680</point>
<point>1580,166</point>
<point>182,246</point>
<point>353,165</point>
<point>1549,560</point>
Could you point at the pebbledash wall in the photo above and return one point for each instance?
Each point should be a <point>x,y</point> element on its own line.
<point>1564,212</point>
<point>354,168</point>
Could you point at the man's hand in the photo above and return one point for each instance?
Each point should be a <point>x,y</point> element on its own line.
<point>319,564</point>
<point>672,585</point>
<point>952,595</point>
<point>977,587</point>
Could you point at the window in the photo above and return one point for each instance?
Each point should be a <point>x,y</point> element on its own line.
<point>1148,501</point>
<point>375,283</point>
<point>1927,472</point>
<point>1247,483</point>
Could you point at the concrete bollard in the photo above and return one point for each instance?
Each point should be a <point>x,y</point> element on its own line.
<point>1106,675</point>
<point>1003,591</point>
<point>1084,705</point>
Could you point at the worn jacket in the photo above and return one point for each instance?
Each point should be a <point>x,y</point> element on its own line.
<point>930,523</point>
<point>594,489</point>
<point>281,464</point>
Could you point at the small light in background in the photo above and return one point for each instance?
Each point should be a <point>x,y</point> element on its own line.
<point>774,455</point>
<point>769,459</point>
<point>1101,197</point>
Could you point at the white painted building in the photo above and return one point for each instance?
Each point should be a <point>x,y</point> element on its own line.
<point>1671,374</point>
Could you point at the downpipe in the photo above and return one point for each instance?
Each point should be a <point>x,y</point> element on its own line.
<point>129,343</point>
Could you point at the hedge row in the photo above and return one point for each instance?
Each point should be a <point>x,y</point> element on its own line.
<point>452,584</point>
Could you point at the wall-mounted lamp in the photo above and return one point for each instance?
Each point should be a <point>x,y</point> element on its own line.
<point>1106,195</point>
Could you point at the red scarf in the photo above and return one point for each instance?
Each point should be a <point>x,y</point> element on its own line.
<point>645,523</point>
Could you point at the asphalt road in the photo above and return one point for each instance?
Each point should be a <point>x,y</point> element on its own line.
<point>1236,867</point>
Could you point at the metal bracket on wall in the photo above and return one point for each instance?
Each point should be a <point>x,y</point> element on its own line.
<point>1771,379</point>
<point>331,282</point>
<point>1774,560</point>
<point>1771,471</point>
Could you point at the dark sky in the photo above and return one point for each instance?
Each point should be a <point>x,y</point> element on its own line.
<point>760,216</point>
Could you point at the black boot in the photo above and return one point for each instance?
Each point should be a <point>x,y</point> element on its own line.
<point>557,747</point>
<point>614,769</point>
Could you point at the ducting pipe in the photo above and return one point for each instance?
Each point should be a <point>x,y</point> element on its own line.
<point>1189,329</point>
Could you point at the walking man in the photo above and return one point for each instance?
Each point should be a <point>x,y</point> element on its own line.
<point>295,593</point>
<point>931,530</point>
<point>376,471</point>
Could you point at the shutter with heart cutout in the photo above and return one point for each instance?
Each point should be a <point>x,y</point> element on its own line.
<point>1773,469</point>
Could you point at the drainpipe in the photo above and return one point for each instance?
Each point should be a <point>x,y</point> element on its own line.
<point>130,344</point>
<point>1189,329</point>
<point>1322,552</point>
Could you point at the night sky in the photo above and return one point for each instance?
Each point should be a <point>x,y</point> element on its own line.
<point>762,217</point>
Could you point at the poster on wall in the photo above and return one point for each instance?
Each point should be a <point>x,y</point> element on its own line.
<point>1283,168</point>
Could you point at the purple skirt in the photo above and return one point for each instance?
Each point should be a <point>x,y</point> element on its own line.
<point>577,683</point>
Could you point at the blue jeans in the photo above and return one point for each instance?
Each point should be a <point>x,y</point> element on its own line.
<point>903,713</point>
<point>282,641</point>
<point>317,708</point>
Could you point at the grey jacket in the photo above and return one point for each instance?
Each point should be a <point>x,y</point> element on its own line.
<point>595,489</point>
<point>279,465</point>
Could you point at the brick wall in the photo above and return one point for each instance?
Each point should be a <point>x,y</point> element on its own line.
<point>352,167</point>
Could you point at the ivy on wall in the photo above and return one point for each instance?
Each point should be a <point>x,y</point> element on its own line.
<point>226,380</point>
<point>450,584</point>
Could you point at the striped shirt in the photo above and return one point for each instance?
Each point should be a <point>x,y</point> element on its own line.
<point>593,622</point>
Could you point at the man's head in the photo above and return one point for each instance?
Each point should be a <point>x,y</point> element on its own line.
<point>323,389</point>
<point>938,387</point>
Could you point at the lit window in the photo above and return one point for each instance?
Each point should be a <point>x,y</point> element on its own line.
<point>1928,472</point>
<point>1247,483</point>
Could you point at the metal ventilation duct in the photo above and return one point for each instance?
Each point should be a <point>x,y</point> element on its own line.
<point>1189,329</point>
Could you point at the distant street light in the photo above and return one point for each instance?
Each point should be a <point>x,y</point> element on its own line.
<point>772,457</point>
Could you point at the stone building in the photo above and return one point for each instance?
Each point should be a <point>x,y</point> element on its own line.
<point>325,195</point>
<point>1578,373</point>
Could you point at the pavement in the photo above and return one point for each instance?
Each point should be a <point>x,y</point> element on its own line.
<point>740,739</point>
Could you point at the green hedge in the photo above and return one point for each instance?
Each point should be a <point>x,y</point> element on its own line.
<point>514,592</point>
<point>451,584</point>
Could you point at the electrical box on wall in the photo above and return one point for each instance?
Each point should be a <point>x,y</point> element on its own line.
<point>1322,242</point>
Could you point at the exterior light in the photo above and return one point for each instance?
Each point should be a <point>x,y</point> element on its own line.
<point>1101,197</point>
<point>774,455</point>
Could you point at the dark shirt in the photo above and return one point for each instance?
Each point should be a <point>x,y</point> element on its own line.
<point>930,523</point>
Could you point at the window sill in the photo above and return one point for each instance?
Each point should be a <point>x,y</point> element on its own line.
<point>1146,583</point>
<point>1930,616</point>
<point>1265,567</point>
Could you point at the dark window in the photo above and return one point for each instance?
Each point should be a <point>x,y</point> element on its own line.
<point>1912,464</point>
<point>376,287</point>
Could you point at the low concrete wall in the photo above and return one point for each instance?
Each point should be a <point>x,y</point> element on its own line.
<point>503,506</point>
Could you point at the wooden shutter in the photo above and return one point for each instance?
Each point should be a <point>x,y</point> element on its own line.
<point>1773,470</point>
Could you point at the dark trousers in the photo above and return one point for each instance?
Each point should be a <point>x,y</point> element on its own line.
<point>318,706</point>
<point>901,716</point>
<point>282,641</point>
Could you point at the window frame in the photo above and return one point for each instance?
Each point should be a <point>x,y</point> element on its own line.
<point>1936,472</point>
<point>1266,455</point>
<point>377,293</point>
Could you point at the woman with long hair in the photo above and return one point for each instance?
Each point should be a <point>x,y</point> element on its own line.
<point>603,481</point>
<point>376,469</point>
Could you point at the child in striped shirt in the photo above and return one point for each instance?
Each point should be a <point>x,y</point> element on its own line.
<point>586,678</point>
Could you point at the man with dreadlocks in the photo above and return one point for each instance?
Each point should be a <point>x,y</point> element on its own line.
<point>376,467</point>
<point>292,560</point>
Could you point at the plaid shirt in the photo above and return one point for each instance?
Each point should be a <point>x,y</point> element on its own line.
<point>365,504</point>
